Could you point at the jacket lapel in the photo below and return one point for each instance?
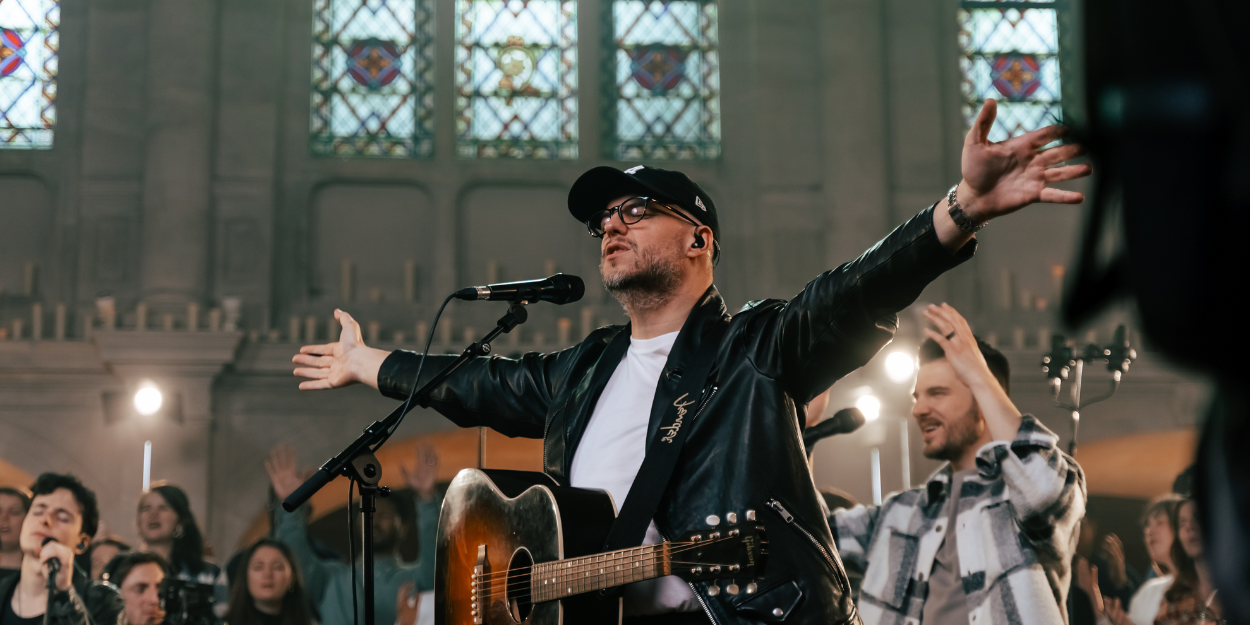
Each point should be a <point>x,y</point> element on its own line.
<point>693,335</point>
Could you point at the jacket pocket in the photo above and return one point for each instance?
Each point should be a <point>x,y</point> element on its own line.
<point>774,604</point>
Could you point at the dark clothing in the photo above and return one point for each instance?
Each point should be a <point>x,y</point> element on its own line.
<point>84,603</point>
<point>679,618</point>
<point>264,618</point>
<point>9,617</point>
<point>744,450</point>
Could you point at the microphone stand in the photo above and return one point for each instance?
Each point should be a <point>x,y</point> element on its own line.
<point>357,460</point>
<point>1061,360</point>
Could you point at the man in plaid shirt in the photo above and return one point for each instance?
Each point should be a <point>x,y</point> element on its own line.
<point>990,538</point>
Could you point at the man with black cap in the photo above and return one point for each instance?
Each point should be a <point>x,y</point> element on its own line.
<point>724,388</point>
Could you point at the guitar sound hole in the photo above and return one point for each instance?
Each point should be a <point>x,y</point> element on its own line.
<point>518,585</point>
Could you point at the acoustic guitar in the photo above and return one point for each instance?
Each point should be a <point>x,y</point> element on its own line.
<point>515,548</point>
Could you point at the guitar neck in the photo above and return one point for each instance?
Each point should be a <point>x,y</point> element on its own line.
<point>573,576</point>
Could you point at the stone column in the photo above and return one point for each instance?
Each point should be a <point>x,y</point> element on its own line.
<point>176,206</point>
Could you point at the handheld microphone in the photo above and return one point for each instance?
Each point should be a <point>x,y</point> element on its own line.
<point>54,564</point>
<point>558,289</point>
<point>844,421</point>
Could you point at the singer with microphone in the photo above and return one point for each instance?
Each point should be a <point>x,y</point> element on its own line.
<point>687,413</point>
<point>48,589</point>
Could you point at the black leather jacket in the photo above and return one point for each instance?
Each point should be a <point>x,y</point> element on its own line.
<point>744,451</point>
<point>85,603</point>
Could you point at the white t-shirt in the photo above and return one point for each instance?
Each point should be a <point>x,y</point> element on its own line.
<point>1144,606</point>
<point>611,451</point>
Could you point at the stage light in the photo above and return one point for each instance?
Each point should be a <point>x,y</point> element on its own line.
<point>870,406</point>
<point>148,399</point>
<point>900,367</point>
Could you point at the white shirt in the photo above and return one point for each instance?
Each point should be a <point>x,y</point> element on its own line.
<point>611,451</point>
<point>1144,606</point>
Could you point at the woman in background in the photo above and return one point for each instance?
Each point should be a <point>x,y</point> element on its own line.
<point>1192,597</point>
<point>168,529</point>
<point>14,504</point>
<point>270,589</point>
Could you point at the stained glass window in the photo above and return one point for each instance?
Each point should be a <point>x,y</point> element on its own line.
<point>372,78</point>
<point>1011,53</point>
<point>665,101</point>
<point>516,78</point>
<point>29,41</point>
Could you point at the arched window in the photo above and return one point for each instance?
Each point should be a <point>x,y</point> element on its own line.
<point>372,78</point>
<point>516,79</point>
<point>29,41</point>
<point>1010,52</point>
<point>665,100</point>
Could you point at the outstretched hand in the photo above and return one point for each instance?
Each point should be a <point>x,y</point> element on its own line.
<point>1001,178</point>
<point>342,363</point>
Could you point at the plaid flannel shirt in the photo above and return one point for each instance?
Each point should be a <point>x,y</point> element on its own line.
<point>1017,526</point>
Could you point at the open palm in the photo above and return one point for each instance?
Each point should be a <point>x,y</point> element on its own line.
<point>1001,178</point>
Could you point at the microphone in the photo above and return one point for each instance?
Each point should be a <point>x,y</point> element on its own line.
<point>54,564</point>
<point>844,421</point>
<point>558,289</point>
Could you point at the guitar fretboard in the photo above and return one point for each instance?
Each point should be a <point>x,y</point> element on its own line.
<point>563,578</point>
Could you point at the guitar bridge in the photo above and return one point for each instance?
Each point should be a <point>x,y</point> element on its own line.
<point>480,595</point>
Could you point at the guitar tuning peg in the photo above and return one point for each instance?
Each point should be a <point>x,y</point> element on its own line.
<point>732,589</point>
<point>713,589</point>
<point>732,517</point>
<point>751,588</point>
<point>750,515</point>
<point>712,520</point>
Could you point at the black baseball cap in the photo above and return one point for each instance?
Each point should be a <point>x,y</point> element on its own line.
<point>595,188</point>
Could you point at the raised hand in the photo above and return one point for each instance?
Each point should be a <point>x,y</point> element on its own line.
<point>1001,178</point>
<point>282,465</point>
<point>424,473</point>
<point>342,363</point>
<point>955,337</point>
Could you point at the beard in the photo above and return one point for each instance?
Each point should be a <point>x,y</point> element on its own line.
<point>961,433</point>
<point>649,285</point>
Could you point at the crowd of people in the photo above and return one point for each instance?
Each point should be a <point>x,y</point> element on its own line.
<point>285,578</point>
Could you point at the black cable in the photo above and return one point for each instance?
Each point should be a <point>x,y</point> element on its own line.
<point>351,554</point>
<point>416,380</point>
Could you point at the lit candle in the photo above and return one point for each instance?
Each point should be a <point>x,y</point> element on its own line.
<point>539,339</point>
<point>398,337</point>
<point>1056,283</point>
<point>167,322</point>
<point>445,331</point>
<point>549,267</point>
<point>17,329</point>
<point>214,319</point>
<point>106,308</point>
<point>310,329</point>
<point>410,280</point>
<point>564,327</point>
<point>36,321</point>
<point>58,329</point>
<point>193,317</point>
<point>232,309</point>
<point>374,331</point>
<point>492,271</point>
<point>292,329</point>
<point>141,317</point>
<point>423,332</point>
<point>345,279</point>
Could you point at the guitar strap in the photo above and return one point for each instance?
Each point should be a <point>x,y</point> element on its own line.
<point>657,467</point>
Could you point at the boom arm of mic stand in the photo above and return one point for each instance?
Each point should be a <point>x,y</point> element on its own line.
<point>379,431</point>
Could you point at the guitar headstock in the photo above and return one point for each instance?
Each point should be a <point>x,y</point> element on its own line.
<point>728,549</point>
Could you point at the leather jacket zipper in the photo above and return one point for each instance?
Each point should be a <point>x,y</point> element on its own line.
<point>706,400</point>
<point>790,519</point>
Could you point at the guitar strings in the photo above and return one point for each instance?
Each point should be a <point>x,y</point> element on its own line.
<point>524,578</point>
<point>512,586</point>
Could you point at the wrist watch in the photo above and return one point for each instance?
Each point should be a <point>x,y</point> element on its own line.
<point>957,214</point>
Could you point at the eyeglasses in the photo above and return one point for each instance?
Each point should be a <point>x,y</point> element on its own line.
<point>631,211</point>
